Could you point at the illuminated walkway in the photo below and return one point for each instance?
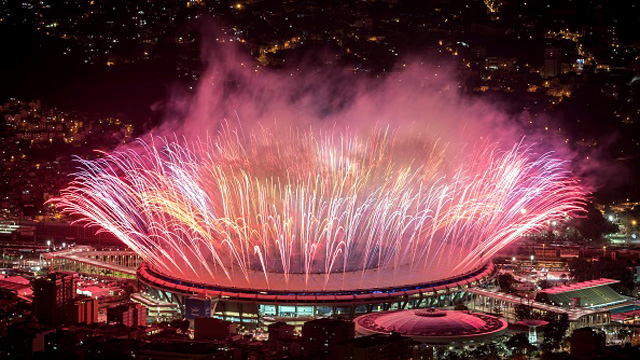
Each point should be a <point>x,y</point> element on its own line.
<point>85,260</point>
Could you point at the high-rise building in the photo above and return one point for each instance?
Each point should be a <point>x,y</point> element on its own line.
<point>130,315</point>
<point>321,335</point>
<point>283,340</point>
<point>551,61</point>
<point>280,331</point>
<point>53,298</point>
<point>84,311</point>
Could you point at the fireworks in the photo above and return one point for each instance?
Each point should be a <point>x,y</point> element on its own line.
<point>301,206</point>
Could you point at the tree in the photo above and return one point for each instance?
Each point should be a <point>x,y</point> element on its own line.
<point>451,355</point>
<point>506,281</point>
<point>524,312</point>
<point>544,284</point>
<point>486,352</point>
<point>519,344</point>
<point>555,331</point>
<point>461,306</point>
<point>583,270</point>
<point>593,226</point>
<point>184,326</point>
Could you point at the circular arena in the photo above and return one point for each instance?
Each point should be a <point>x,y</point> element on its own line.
<point>434,327</point>
<point>256,305</point>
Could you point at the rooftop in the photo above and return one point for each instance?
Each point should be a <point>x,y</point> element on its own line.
<point>431,326</point>
<point>581,285</point>
<point>594,293</point>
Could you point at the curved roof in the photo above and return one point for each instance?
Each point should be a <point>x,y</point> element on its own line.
<point>592,294</point>
<point>154,278</point>
<point>432,326</point>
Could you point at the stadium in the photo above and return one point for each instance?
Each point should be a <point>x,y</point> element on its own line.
<point>255,305</point>
<point>299,225</point>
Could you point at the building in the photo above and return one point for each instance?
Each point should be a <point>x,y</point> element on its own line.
<point>492,301</point>
<point>205,328</point>
<point>250,306</point>
<point>283,340</point>
<point>587,294</point>
<point>85,260</point>
<point>157,310</point>
<point>497,63</point>
<point>130,315</point>
<point>16,286</point>
<point>280,331</point>
<point>434,327</point>
<point>320,335</point>
<point>375,347</point>
<point>84,310</point>
<point>551,61</point>
<point>53,298</point>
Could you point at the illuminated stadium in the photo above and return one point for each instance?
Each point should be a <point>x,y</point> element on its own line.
<point>249,305</point>
<point>299,224</point>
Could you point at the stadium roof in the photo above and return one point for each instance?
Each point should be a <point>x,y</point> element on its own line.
<point>592,294</point>
<point>150,276</point>
<point>581,285</point>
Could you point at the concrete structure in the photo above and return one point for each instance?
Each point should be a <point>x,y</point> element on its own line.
<point>533,325</point>
<point>283,340</point>
<point>85,260</point>
<point>490,301</point>
<point>129,315</point>
<point>552,57</point>
<point>84,311</point>
<point>53,297</point>
<point>157,310</point>
<point>588,294</point>
<point>320,335</point>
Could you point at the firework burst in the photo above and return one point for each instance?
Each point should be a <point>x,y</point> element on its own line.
<point>311,205</point>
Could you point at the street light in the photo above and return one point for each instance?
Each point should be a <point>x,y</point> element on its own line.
<point>48,242</point>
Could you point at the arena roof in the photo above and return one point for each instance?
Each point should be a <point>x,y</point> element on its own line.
<point>581,285</point>
<point>593,293</point>
<point>149,275</point>
<point>432,326</point>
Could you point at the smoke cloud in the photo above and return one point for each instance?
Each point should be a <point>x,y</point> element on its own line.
<point>418,101</point>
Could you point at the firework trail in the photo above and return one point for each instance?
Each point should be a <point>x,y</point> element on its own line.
<point>305,203</point>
